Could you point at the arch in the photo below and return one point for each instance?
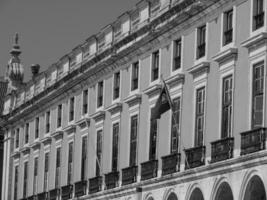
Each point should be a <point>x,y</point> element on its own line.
<point>251,178</point>
<point>172,196</point>
<point>255,189</point>
<point>192,190</point>
<point>224,192</point>
<point>148,196</point>
<point>196,195</point>
<point>167,193</point>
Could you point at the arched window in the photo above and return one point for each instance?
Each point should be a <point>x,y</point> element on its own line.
<point>224,192</point>
<point>150,198</point>
<point>172,196</point>
<point>196,195</point>
<point>255,189</point>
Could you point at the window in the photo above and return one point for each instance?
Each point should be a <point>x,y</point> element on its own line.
<point>153,139</point>
<point>35,175</point>
<point>26,139</point>
<point>257,95</point>
<point>116,85</point>
<point>47,118</point>
<point>177,52</point>
<point>16,178</point>
<point>133,140</point>
<point>135,75</point>
<point>17,138</point>
<point>227,106</point>
<point>58,160</point>
<point>70,163</point>
<point>175,128</point>
<point>71,109</point>
<point>228,27</point>
<point>59,115</point>
<point>155,66</point>
<point>115,147</point>
<point>46,169</point>
<point>36,127</point>
<point>100,94</point>
<point>85,102</point>
<point>201,41</point>
<point>199,123</point>
<point>98,152</point>
<point>258,14</point>
<point>25,179</point>
<point>84,157</point>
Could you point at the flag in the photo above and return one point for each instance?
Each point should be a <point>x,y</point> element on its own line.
<point>163,103</point>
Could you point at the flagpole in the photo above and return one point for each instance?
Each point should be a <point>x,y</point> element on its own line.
<point>175,121</point>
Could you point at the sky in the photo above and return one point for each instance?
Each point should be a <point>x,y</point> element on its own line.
<point>48,29</point>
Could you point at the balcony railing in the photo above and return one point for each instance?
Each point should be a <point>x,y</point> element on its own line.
<point>80,188</point>
<point>222,149</point>
<point>129,175</point>
<point>111,180</point>
<point>43,196</point>
<point>53,194</point>
<point>259,20</point>
<point>195,157</point>
<point>201,50</point>
<point>66,192</point>
<point>149,169</point>
<point>252,141</point>
<point>95,184</point>
<point>171,163</point>
<point>228,36</point>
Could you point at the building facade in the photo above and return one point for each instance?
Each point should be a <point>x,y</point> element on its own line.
<point>82,129</point>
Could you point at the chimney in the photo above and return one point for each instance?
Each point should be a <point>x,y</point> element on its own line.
<point>35,70</point>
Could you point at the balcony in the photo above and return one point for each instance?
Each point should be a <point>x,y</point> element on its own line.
<point>258,20</point>
<point>253,141</point>
<point>201,50</point>
<point>171,163</point>
<point>195,157</point>
<point>53,194</point>
<point>95,184</point>
<point>222,149</point>
<point>66,192</point>
<point>149,169</point>
<point>80,188</point>
<point>43,196</point>
<point>111,180</point>
<point>129,175</point>
<point>228,36</point>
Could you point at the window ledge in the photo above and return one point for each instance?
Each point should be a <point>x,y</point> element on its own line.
<point>57,134</point>
<point>133,99</point>
<point>46,140</point>
<point>228,54</point>
<point>25,150</point>
<point>199,69</point>
<point>16,153</point>
<point>36,145</point>
<point>175,80</point>
<point>115,108</point>
<point>85,121</point>
<point>153,90</point>
<point>98,116</point>
<point>70,129</point>
<point>255,41</point>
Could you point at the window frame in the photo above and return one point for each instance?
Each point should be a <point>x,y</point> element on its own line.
<point>178,112</point>
<point>199,43</point>
<point>47,122</point>
<point>99,152</point>
<point>153,138</point>
<point>152,68</point>
<point>174,56</point>
<point>98,96</point>
<point>133,162</point>
<point>59,115</point>
<point>115,146</point>
<point>46,171</point>
<point>84,157</point>
<point>85,99</point>
<point>71,109</point>
<point>26,133</point>
<point>37,128</point>
<point>58,167</point>
<point>255,14</point>
<point>116,86</point>
<point>135,79</point>
<point>70,162</point>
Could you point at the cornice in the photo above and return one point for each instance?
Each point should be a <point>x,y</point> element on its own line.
<point>114,108</point>
<point>133,99</point>
<point>71,128</point>
<point>175,80</point>
<point>98,116</point>
<point>57,135</point>
<point>153,90</point>
<point>255,41</point>
<point>46,140</point>
<point>83,122</point>
<point>199,69</point>
<point>228,54</point>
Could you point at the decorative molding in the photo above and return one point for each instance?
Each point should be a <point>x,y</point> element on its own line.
<point>153,90</point>
<point>115,108</point>
<point>223,56</point>
<point>133,100</point>
<point>70,129</point>
<point>98,116</point>
<point>84,122</point>
<point>57,135</point>
<point>16,154</point>
<point>199,69</point>
<point>175,80</point>
<point>36,145</point>
<point>25,150</point>
<point>255,41</point>
<point>46,140</point>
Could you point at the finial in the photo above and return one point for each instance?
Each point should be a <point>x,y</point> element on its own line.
<point>16,38</point>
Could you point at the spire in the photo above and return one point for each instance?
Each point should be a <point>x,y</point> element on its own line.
<point>14,71</point>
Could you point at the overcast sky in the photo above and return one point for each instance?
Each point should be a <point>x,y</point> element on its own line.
<point>48,29</point>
